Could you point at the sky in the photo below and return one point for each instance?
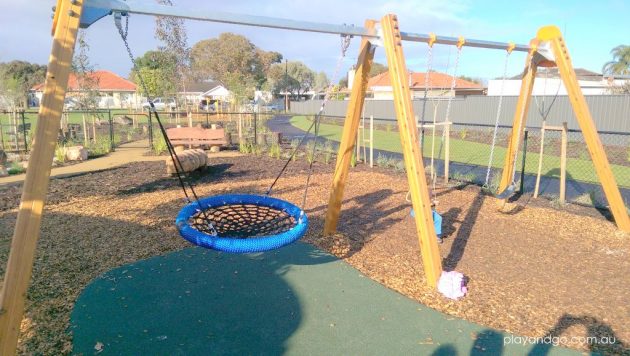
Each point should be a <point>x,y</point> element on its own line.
<point>591,29</point>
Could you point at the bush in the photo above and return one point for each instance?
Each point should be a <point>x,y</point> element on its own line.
<point>274,151</point>
<point>311,151</point>
<point>16,168</point>
<point>159,145</point>
<point>60,153</point>
<point>244,148</point>
<point>99,147</point>
<point>382,160</point>
<point>463,134</point>
<point>294,145</point>
<point>399,166</point>
<point>328,152</point>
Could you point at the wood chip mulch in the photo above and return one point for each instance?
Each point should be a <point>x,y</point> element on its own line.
<point>533,270</point>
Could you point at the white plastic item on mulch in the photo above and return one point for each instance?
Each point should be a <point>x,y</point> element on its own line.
<point>452,285</point>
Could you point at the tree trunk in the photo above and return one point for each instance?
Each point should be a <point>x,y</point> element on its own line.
<point>86,135</point>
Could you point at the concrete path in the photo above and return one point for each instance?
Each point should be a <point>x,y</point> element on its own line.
<point>296,300</point>
<point>136,151</point>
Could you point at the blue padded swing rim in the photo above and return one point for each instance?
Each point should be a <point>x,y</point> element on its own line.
<point>236,245</point>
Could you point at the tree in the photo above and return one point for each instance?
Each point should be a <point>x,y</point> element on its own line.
<point>265,61</point>
<point>470,79</point>
<point>620,63</point>
<point>172,33</point>
<point>87,83</point>
<point>235,61</point>
<point>87,89</point>
<point>157,68</point>
<point>304,77</point>
<point>377,68</point>
<point>321,82</point>
<point>17,78</point>
<point>231,59</point>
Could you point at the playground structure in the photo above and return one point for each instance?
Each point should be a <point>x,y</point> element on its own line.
<point>546,49</point>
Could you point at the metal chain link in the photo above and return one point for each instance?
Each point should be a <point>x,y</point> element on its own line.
<point>345,43</point>
<point>453,82</point>
<point>496,121</point>
<point>424,98</point>
<point>176,162</point>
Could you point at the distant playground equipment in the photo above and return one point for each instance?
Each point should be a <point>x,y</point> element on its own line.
<point>546,49</point>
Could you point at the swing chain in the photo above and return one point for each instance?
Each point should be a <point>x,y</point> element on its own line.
<point>345,43</point>
<point>496,121</point>
<point>176,162</point>
<point>453,83</point>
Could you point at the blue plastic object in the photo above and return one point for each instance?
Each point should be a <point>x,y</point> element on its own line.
<point>241,245</point>
<point>437,221</point>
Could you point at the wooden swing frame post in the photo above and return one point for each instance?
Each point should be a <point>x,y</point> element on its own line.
<point>350,130</point>
<point>407,128</point>
<point>551,37</point>
<point>27,227</point>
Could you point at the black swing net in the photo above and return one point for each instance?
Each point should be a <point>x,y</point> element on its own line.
<point>242,221</point>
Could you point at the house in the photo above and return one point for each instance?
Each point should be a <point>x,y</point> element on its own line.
<point>439,85</point>
<point>113,90</point>
<point>548,82</point>
<point>204,93</point>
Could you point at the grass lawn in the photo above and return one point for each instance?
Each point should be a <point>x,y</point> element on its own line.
<point>476,153</point>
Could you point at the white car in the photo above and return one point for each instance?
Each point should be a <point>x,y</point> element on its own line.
<point>160,104</point>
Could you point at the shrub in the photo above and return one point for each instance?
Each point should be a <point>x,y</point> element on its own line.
<point>60,153</point>
<point>382,160</point>
<point>328,152</point>
<point>274,151</point>
<point>99,147</point>
<point>463,134</point>
<point>159,145</point>
<point>399,166</point>
<point>16,168</point>
<point>311,151</point>
<point>468,177</point>
<point>294,145</point>
<point>256,149</point>
<point>244,147</point>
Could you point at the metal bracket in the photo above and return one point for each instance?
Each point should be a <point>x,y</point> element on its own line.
<point>378,41</point>
<point>543,54</point>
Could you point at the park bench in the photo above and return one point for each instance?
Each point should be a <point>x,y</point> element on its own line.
<point>196,136</point>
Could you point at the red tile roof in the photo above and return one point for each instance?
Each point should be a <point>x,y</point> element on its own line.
<point>436,81</point>
<point>107,81</point>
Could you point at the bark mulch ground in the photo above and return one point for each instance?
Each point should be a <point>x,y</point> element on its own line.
<point>533,270</point>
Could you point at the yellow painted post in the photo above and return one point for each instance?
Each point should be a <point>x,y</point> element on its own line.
<point>350,130</point>
<point>520,116</point>
<point>411,151</point>
<point>27,226</point>
<point>553,36</point>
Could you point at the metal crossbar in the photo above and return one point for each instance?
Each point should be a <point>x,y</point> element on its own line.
<point>97,9</point>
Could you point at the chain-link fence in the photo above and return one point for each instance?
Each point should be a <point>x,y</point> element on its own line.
<point>469,147</point>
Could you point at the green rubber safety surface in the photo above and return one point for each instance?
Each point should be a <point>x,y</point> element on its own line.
<point>296,300</point>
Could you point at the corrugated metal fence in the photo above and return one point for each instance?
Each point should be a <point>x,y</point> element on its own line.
<point>610,112</point>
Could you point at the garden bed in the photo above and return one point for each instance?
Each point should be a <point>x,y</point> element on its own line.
<point>533,271</point>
